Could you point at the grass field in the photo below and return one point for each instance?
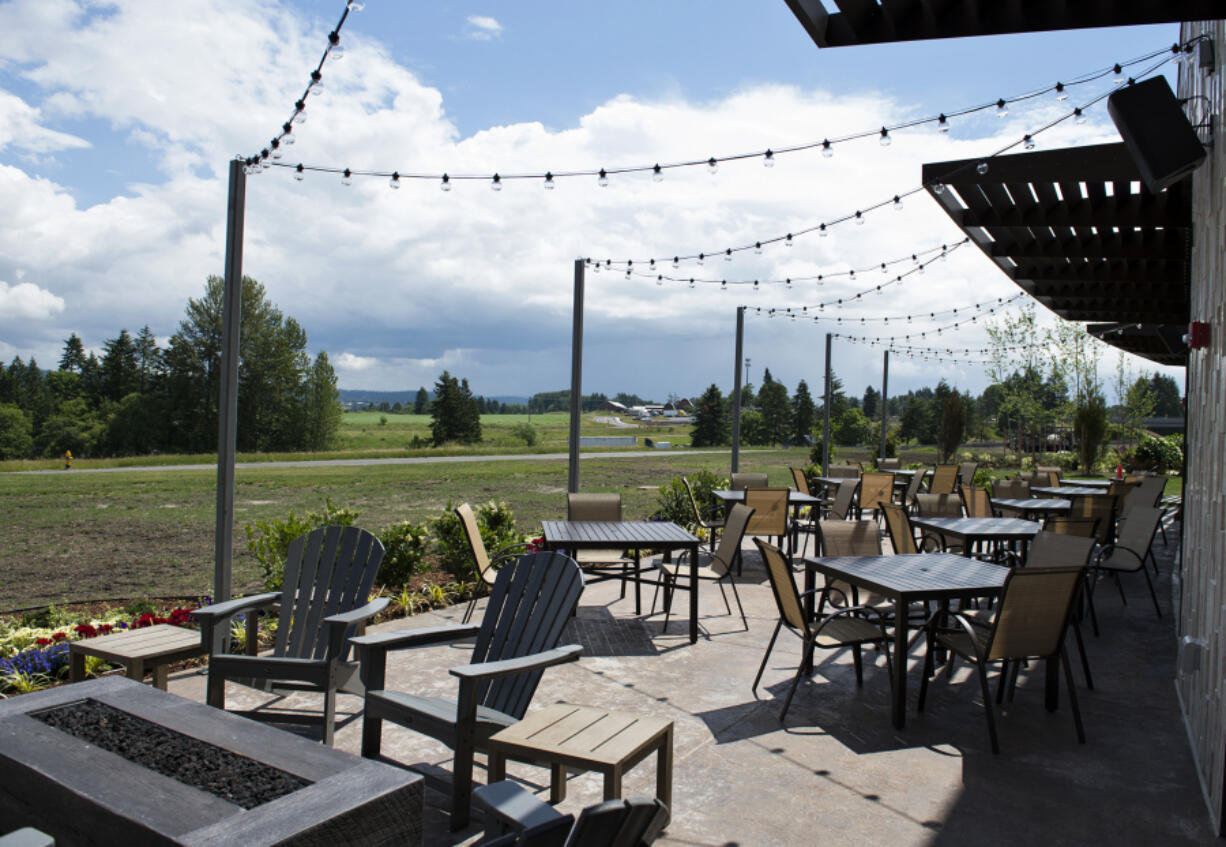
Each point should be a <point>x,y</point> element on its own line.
<point>78,536</point>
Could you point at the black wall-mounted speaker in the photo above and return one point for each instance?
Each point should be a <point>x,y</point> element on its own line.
<point>1156,132</point>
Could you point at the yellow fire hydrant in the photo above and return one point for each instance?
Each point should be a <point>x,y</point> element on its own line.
<point>67,460</point>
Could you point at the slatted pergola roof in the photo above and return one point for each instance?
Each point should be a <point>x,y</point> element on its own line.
<point>880,21</point>
<point>1076,230</point>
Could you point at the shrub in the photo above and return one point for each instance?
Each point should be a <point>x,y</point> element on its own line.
<point>405,546</point>
<point>526,433</point>
<point>674,503</point>
<point>1165,453</point>
<point>269,540</point>
<point>815,453</point>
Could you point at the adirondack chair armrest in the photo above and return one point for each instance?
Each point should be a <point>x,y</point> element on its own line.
<point>372,650</point>
<point>339,624</point>
<point>481,671</point>
<point>213,629</point>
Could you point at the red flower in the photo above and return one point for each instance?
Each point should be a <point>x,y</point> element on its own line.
<point>85,630</point>
<point>105,628</point>
<point>59,636</point>
<point>537,544</point>
<point>42,642</point>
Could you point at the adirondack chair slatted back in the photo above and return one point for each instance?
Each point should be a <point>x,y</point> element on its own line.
<point>528,609</point>
<point>327,571</point>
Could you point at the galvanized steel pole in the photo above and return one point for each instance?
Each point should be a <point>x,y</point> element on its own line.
<point>885,399</point>
<point>826,421</point>
<point>227,405</point>
<point>576,380</point>
<point>736,389</point>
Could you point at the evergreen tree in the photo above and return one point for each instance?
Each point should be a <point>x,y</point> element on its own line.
<point>470,415</point>
<point>952,427</point>
<point>872,400</point>
<point>422,404</point>
<point>804,414</point>
<point>73,358</point>
<point>149,363</point>
<point>454,412</point>
<point>120,371</point>
<point>323,405</point>
<point>1165,391</point>
<point>776,411</point>
<point>711,422</point>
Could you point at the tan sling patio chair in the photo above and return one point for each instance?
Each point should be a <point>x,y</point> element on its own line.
<point>1128,554</point>
<point>944,480</point>
<point>742,481</point>
<point>714,568</point>
<point>486,566</point>
<point>875,488</point>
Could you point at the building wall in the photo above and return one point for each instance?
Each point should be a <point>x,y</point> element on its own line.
<point>1201,674</point>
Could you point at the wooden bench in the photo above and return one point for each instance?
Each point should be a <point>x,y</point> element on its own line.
<point>565,736</point>
<point>140,651</point>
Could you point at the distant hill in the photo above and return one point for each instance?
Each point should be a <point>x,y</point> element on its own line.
<point>358,397</point>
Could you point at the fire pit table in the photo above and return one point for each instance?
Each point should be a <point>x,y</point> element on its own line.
<point>111,761</point>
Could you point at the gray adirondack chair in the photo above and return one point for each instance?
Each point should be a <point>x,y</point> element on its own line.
<point>329,573</point>
<point>529,606</point>
<point>514,817</point>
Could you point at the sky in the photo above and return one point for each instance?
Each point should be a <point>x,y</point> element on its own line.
<point>118,121</point>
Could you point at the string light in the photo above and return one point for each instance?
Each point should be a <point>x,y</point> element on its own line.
<point>496,183</point>
<point>768,159</point>
<point>445,183</point>
<point>549,182</point>
<point>394,182</point>
<point>347,177</point>
<point>1028,143</point>
<point>1002,108</point>
<point>603,179</point>
<point>885,137</point>
<point>335,51</point>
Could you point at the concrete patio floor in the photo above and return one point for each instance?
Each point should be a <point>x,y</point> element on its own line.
<point>837,771</point>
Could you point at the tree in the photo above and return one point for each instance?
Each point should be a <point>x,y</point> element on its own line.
<point>421,404</point>
<point>149,363</point>
<point>323,405</point>
<point>915,419</point>
<point>1139,404</point>
<point>851,428</point>
<point>872,399</point>
<point>73,358</point>
<point>1166,396</point>
<point>804,414</point>
<point>120,374</point>
<point>952,427</point>
<point>748,399</point>
<point>628,400</point>
<point>776,411</point>
<point>15,438</point>
<point>470,415</point>
<point>711,424</point>
<point>753,429</point>
<point>1090,425</point>
<point>454,412</point>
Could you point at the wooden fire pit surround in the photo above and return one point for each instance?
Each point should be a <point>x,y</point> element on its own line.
<point>111,761</point>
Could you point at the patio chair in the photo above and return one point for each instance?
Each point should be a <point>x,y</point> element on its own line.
<point>517,818</point>
<point>845,471</point>
<point>976,502</point>
<point>851,626</point>
<point>770,513</point>
<point>1080,527</point>
<point>742,481</point>
<point>875,488</point>
<point>1148,492</point>
<point>1054,473</point>
<point>712,527</point>
<point>1128,554</point>
<point>889,464</point>
<point>898,525</point>
<point>328,576</point>
<point>1010,489</point>
<point>487,567</point>
<point>938,506</point>
<point>912,489</point>
<point>844,499</point>
<point>807,523</point>
<point>603,564</point>
<point>1030,623</point>
<point>714,568</point>
<point>1100,506</point>
<point>944,480</point>
<point>966,473</point>
<point>850,538</point>
<point>532,600</point>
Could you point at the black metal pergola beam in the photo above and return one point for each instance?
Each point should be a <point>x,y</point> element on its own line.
<point>1077,230</point>
<point>882,21</point>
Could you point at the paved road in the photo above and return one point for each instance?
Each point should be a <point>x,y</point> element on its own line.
<point>415,460</point>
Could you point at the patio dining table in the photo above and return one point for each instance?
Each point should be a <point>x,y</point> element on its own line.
<point>971,531</point>
<point>1032,508</point>
<point>1065,491</point>
<point>1075,482</point>
<point>627,535</point>
<point>934,577</point>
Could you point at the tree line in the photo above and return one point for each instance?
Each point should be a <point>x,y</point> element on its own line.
<point>538,404</point>
<point>140,398</point>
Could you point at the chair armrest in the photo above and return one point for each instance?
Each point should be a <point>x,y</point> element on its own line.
<point>508,667</point>
<point>220,611</point>
<point>967,625</point>
<point>510,550</point>
<point>851,611</point>
<point>372,650</point>
<point>361,613</point>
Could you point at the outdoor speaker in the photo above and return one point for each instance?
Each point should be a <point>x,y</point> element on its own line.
<point>1156,132</point>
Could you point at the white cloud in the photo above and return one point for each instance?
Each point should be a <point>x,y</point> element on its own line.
<point>25,301</point>
<point>406,283</point>
<point>482,28</point>
<point>20,127</point>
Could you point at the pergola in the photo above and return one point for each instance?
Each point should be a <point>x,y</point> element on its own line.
<point>1076,230</point>
<point>881,21</point>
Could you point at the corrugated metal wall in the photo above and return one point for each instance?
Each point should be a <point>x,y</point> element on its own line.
<point>1201,676</point>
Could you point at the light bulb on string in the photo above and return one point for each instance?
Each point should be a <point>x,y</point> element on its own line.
<point>317,83</point>
<point>691,282</point>
<point>1061,94</point>
<point>394,182</point>
<point>768,159</point>
<point>659,279</point>
<point>884,270</point>
<point>676,262</point>
<point>728,255</point>
<point>787,242</point>
<point>300,115</point>
<point>1028,142</point>
<point>651,265</point>
<point>300,172</point>
<point>788,283</point>
<point>723,286</point>
<point>1002,108</point>
<point>602,179</point>
<point>942,123</point>
<point>897,203</point>
<point>859,218</point>
<point>288,136</point>
<point>335,50</point>
<point>355,5</point>
<point>938,188</point>
<point>701,259</point>
<point>346,177</point>
<point>757,248</point>
<point>657,173</point>
<point>981,168</point>
<point>821,231</point>
<point>549,184</point>
<point>1117,74</point>
<point>445,183</point>
<point>712,166</point>
<point>885,139</point>
<point>1079,116</point>
<point>496,183</point>
<point>827,149</point>
<point>755,286</point>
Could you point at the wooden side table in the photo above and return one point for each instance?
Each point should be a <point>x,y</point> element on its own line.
<point>150,648</point>
<point>587,739</point>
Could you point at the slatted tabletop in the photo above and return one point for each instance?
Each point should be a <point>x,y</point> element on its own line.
<point>138,650</point>
<point>602,535</point>
<point>981,529</point>
<point>906,579</point>
<point>586,738</point>
<point>1085,483</point>
<point>1062,491</point>
<point>1033,505</point>
<point>795,498</point>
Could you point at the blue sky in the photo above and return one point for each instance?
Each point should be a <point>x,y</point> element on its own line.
<point>122,116</point>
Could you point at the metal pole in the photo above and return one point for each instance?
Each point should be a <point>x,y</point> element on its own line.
<point>736,388</point>
<point>826,415</point>
<point>227,405</point>
<point>885,401</point>
<point>576,380</point>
